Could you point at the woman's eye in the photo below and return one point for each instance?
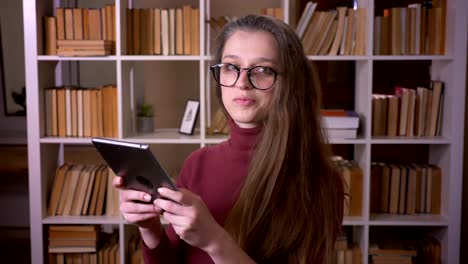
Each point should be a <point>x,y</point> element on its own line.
<point>264,70</point>
<point>231,67</point>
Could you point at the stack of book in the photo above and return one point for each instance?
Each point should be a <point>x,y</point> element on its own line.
<point>342,124</point>
<point>73,239</point>
<point>384,256</point>
<point>84,47</point>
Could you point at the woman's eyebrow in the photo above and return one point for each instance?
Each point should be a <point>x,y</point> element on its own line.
<point>256,60</point>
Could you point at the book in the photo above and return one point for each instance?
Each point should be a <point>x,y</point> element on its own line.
<point>339,119</point>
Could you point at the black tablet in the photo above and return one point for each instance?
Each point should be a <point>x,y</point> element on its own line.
<point>135,163</point>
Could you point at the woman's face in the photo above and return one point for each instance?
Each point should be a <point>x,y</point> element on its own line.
<point>246,105</point>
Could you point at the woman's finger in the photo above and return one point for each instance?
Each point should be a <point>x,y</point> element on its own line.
<point>182,196</point>
<point>175,220</point>
<point>132,195</point>
<point>139,217</point>
<point>169,206</point>
<point>117,182</point>
<point>132,207</point>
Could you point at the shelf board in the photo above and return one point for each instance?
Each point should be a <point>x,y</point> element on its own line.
<point>160,58</point>
<point>60,58</point>
<point>82,220</point>
<point>353,221</point>
<point>165,136</point>
<point>411,57</point>
<point>407,220</point>
<point>358,140</point>
<point>410,140</point>
<point>66,140</point>
<point>337,58</point>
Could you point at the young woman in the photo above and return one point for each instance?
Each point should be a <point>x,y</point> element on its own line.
<point>269,194</point>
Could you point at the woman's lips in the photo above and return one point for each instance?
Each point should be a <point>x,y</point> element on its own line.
<point>244,101</point>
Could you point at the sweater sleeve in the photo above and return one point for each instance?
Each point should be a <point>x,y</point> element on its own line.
<point>169,249</point>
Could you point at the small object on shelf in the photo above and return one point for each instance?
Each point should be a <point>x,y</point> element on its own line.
<point>145,122</point>
<point>189,119</point>
<point>84,47</point>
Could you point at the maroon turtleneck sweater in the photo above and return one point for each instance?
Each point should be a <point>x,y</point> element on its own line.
<point>216,174</point>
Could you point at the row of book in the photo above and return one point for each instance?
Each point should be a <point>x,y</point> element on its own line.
<point>80,189</point>
<point>353,178</point>
<point>81,112</point>
<point>134,250</point>
<point>82,244</point>
<point>335,32</point>
<point>409,112</point>
<point>406,189</point>
<point>80,24</point>
<point>217,23</point>
<point>413,30</point>
<point>163,31</point>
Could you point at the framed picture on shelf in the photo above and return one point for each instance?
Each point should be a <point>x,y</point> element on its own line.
<point>187,125</point>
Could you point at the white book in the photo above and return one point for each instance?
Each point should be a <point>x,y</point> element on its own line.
<point>79,98</point>
<point>336,133</point>
<point>305,18</point>
<point>165,31</point>
<point>68,112</point>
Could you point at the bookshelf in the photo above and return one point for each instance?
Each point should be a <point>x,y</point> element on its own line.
<point>148,76</point>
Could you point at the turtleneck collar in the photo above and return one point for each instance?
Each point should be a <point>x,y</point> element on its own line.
<point>243,138</point>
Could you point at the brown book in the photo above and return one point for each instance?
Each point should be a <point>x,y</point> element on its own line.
<point>325,48</point>
<point>78,23</point>
<point>48,113</point>
<point>115,119</point>
<point>50,26</point>
<point>104,23</point>
<point>395,17</point>
<point>89,189</point>
<point>179,32</point>
<point>172,31</point>
<point>74,176</point>
<point>144,47</point>
<point>136,31</point>
<point>96,190</point>
<point>392,117</point>
<point>57,189</point>
<point>394,194</point>
<point>385,189</point>
<point>129,31</point>
<point>74,228</point>
<point>437,88</point>
<point>309,32</point>
<point>195,45</point>
<point>411,190</point>
<point>403,189</point>
<point>187,12</point>
<point>83,182</point>
<point>150,30</point>
<point>102,191</point>
<point>339,31</point>
<point>350,32</point>
<point>69,26</point>
<point>157,31</point>
<point>346,174</point>
<point>376,183</point>
<point>436,189</point>
<point>410,113</point>
<point>361,32</point>
<point>99,109</point>
<point>403,93</point>
<point>356,189</point>
<point>86,24</point>
<point>61,114</point>
<point>324,27</point>
<point>60,16</point>
<point>87,113</point>
<point>67,235</point>
<point>74,112</point>
<point>94,24</point>
<point>80,111</point>
<point>110,22</point>
<point>72,243</point>
<point>94,112</point>
<point>385,33</point>
<point>68,112</point>
<point>107,110</point>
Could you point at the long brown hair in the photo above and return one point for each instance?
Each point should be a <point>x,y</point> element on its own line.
<point>291,204</point>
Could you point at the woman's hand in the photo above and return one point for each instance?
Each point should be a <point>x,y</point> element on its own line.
<point>190,218</point>
<point>133,212</point>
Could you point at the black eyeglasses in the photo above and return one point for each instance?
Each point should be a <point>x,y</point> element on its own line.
<point>260,77</point>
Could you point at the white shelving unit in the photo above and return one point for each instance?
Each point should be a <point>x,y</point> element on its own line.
<point>46,153</point>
